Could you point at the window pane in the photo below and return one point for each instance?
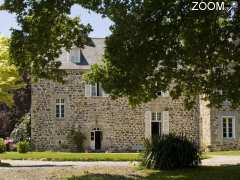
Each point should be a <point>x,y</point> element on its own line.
<point>62,110</point>
<point>92,136</point>
<point>94,90</point>
<point>153,116</point>
<point>224,128</point>
<point>57,100</point>
<point>57,110</point>
<point>159,116</point>
<point>62,100</point>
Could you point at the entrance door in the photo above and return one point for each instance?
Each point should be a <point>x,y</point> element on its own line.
<point>97,140</point>
<point>156,129</point>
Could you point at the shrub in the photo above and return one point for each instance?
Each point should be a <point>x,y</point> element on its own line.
<point>78,139</point>
<point>2,146</point>
<point>23,146</point>
<point>22,130</point>
<point>170,152</point>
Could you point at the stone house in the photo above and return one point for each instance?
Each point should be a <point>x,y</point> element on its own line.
<point>57,109</point>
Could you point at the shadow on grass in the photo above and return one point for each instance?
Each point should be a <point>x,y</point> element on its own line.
<point>200,173</point>
<point>103,177</point>
<point>4,164</point>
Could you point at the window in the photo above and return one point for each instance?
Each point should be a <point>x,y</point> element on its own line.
<point>60,108</point>
<point>75,55</point>
<point>94,90</point>
<point>156,124</point>
<point>156,116</point>
<point>228,127</point>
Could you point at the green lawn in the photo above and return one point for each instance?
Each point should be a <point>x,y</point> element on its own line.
<point>224,153</point>
<point>201,173</point>
<point>62,156</point>
<point>67,156</point>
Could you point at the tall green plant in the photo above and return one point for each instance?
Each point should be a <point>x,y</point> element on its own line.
<point>170,152</point>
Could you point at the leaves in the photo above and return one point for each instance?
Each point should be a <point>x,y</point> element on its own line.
<point>155,46</point>
<point>9,77</point>
<point>45,30</point>
<point>164,46</point>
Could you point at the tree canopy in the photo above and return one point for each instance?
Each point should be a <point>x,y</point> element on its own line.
<point>9,77</point>
<point>154,46</point>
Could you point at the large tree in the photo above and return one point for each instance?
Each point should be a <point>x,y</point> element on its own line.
<point>9,76</point>
<point>155,46</point>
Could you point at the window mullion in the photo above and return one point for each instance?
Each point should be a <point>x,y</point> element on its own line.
<point>227,126</point>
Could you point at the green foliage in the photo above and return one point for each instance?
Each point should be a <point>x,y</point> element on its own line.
<point>67,156</point>
<point>170,152</point>
<point>164,46</point>
<point>23,146</point>
<point>2,146</point>
<point>45,30</point>
<point>78,139</point>
<point>155,46</point>
<point>22,131</point>
<point>9,78</point>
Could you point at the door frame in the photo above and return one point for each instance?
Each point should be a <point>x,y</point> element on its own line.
<point>93,138</point>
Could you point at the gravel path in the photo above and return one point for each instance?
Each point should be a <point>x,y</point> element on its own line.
<point>221,160</point>
<point>52,170</point>
<point>35,163</point>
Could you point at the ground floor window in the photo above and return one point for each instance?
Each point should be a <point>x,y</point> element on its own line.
<point>228,126</point>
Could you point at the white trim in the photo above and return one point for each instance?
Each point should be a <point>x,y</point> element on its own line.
<point>227,127</point>
<point>60,104</point>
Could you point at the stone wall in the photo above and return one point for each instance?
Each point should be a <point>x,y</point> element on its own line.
<point>122,127</point>
<point>217,140</point>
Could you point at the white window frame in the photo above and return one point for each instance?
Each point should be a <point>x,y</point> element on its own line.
<point>60,102</point>
<point>227,127</point>
<point>99,92</point>
<point>157,118</point>
<point>75,55</point>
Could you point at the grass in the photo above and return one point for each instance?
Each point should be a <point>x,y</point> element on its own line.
<point>65,156</point>
<point>224,153</point>
<point>201,173</point>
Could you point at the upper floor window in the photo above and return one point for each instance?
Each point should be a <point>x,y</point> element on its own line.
<point>94,90</point>
<point>161,93</point>
<point>75,55</point>
<point>60,108</point>
<point>228,127</point>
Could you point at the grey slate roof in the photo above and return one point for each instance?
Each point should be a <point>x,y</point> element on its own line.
<point>89,56</point>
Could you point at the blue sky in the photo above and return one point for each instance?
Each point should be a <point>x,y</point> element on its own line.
<point>100,25</point>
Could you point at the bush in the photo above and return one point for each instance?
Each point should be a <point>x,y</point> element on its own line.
<point>78,139</point>
<point>23,146</point>
<point>22,130</point>
<point>170,152</point>
<point>2,146</point>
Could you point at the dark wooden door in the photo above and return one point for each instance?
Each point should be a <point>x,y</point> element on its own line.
<point>97,140</point>
<point>155,129</point>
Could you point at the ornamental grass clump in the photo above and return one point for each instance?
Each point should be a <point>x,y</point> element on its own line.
<point>170,152</point>
<point>23,146</point>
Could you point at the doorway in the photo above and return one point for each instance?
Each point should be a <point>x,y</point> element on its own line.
<point>96,139</point>
<point>156,129</point>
